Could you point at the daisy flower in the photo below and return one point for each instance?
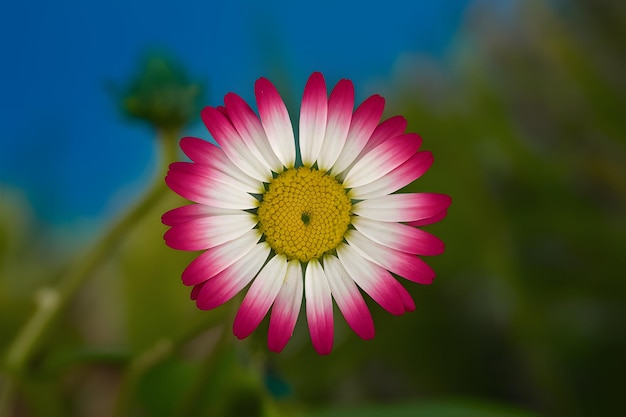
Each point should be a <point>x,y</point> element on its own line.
<point>315,216</point>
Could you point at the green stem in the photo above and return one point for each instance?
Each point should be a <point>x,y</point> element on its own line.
<point>207,370</point>
<point>156,354</point>
<point>139,366</point>
<point>52,302</point>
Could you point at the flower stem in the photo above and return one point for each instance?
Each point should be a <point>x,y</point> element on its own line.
<point>194,393</point>
<point>142,363</point>
<point>158,353</point>
<point>50,303</point>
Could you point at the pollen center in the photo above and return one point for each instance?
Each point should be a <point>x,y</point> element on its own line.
<point>304,213</point>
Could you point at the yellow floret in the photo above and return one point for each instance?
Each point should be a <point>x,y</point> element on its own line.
<point>304,213</point>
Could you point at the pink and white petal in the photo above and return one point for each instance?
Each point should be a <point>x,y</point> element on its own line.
<point>381,160</point>
<point>319,307</point>
<point>218,258</point>
<point>208,232</point>
<point>260,296</point>
<point>404,264</point>
<point>224,133</point>
<point>375,280</point>
<point>406,207</point>
<point>387,129</point>
<point>222,287</point>
<point>286,308</point>
<point>348,298</point>
<point>251,130</point>
<point>201,151</point>
<point>209,188</point>
<point>363,123</point>
<point>223,110</point>
<point>313,113</point>
<point>194,211</point>
<point>434,219</point>
<point>340,107</point>
<point>195,291</point>
<point>276,121</point>
<point>210,174</point>
<point>207,154</point>
<point>399,236</point>
<point>198,150</point>
<point>401,176</point>
<point>403,294</point>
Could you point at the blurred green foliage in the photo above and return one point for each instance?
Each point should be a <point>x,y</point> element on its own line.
<point>526,125</point>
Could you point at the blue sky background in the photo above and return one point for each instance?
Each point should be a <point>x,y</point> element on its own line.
<point>66,146</point>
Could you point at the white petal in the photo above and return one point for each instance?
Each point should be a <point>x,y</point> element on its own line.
<point>364,121</point>
<point>381,160</point>
<point>218,258</point>
<point>225,285</point>
<point>276,122</point>
<point>340,107</point>
<point>319,307</point>
<point>399,236</point>
<point>404,264</point>
<point>348,298</point>
<point>233,145</point>
<point>251,130</point>
<point>372,278</point>
<point>208,232</point>
<point>313,112</point>
<point>260,296</point>
<point>286,308</point>
<point>404,207</point>
<point>210,155</point>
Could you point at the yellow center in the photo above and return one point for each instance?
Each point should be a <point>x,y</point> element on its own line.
<point>304,213</point>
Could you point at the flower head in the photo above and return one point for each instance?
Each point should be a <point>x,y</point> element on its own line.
<point>162,95</point>
<point>318,217</point>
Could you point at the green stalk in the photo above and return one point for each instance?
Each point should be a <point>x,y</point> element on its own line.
<point>160,351</point>
<point>52,302</point>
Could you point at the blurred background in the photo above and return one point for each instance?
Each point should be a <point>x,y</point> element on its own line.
<point>522,103</point>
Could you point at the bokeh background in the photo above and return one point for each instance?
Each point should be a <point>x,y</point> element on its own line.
<point>522,104</point>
